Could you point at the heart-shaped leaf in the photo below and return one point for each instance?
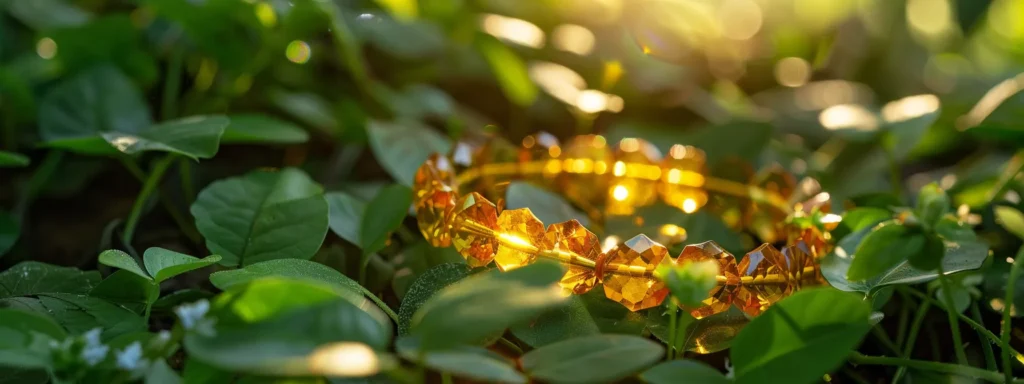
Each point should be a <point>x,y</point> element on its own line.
<point>196,137</point>
<point>262,216</point>
<point>591,359</point>
<point>262,129</point>
<point>13,160</point>
<point>670,372</point>
<point>814,329</point>
<point>402,146</point>
<point>128,290</point>
<point>118,259</point>
<point>164,264</point>
<point>387,210</point>
<point>886,246</point>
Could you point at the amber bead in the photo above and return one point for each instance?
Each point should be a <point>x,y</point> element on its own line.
<point>434,215</point>
<point>764,220</point>
<point>572,237</point>
<point>682,178</point>
<point>766,277</point>
<point>634,291</point>
<point>474,228</point>
<point>521,234</point>
<point>720,297</point>
<point>586,163</point>
<point>437,171</point>
<point>803,268</point>
<point>635,176</point>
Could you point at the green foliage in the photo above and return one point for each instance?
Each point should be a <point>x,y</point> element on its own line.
<point>589,359</point>
<point>389,207</point>
<point>884,248</point>
<point>670,372</point>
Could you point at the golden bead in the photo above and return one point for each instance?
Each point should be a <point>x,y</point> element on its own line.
<point>802,265</point>
<point>586,168</point>
<point>634,176</point>
<point>434,215</point>
<point>766,221</point>
<point>766,277</point>
<point>635,291</point>
<point>520,234</point>
<point>571,237</point>
<point>720,297</point>
<point>475,227</point>
<point>436,171</point>
<point>683,174</point>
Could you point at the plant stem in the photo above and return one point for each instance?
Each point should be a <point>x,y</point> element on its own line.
<point>986,347</point>
<point>39,178</point>
<point>187,187</point>
<point>980,328</point>
<point>951,314</point>
<point>1007,308</point>
<point>915,328</point>
<point>183,224</point>
<point>172,84</point>
<point>152,182</point>
<point>672,318</point>
<point>510,345</point>
<point>885,340</point>
<point>1013,167</point>
<point>901,333</point>
<point>961,370</point>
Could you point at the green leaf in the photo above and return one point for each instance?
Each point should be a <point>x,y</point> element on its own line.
<point>19,329</point>
<point>169,301</point>
<point>476,307</point>
<point>509,69</point>
<point>75,112</point>
<point>32,278</point>
<point>128,290</point>
<point>80,313</point>
<point>118,259</point>
<point>262,129</point>
<point>425,286</point>
<point>47,14</point>
<point>403,145</point>
<point>694,371</point>
<point>196,137</point>
<point>814,330</point>
<point>583,315</point>
<point>471,362</point>
<point>1011,219</point>
<point>885,247</point>
<point>929,257</point>
<point>164,264</point>
<point>961,297</point>
<point>287,344</point>
<point>859,218</point>
<point>386,213</point>
<point>112,38</point>
<point>160,373</point>
<point>590,359</point>
<point>547,206</point>
<point>417,259</point>
<point>13,160</point>
<point>271,296</point>
<point>346,215</point>
<point>707,335</point>
<point>10,230</point>
<point>932,204</point>
<point>262,216</point>
<point>959,256</point>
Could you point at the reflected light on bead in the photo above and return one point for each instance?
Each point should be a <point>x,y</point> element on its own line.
<point>515,240</point>
<point>689,206</point>
<point>619,169</point>
<point>609,243</point>
<point>620,193</point>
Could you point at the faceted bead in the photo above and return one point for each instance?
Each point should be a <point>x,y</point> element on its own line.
<point>434,215</point>
<point>572,237</point>
<point>803,268</point>
<point>815,239</point>
<point>586,163</point>
<point>721,297</point>
<point>520,233</point>
<point>475,225</point>
<point>682,178</point>
<point>636,291</point>
<point>436,171</point>
<point>766,221</point>
<point>765,275</point>
<point>635,176</point>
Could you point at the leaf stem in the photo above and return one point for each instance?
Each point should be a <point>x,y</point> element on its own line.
<point>1007,308</point>
<point>152,182</point>
<point>961,370</point>
<point>172,84</point>
<point>187,187</point>
<point>183,224</point>
<point>915,329</point>
<point>510,345</point>
<point>990,357</point>
<point>951,314</point>
<point>980,328</point>
<point>673,314</point>
<point>1013,167</point>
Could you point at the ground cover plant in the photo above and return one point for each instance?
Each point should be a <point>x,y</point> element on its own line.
<point>212,191</point>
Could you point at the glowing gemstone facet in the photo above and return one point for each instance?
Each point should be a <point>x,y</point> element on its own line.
<point>635,176</point>
<point>682,178</point>
<point>434,215</point>
<point>520,234</point>
<point>765,275</point>
<point>803,268</point>
<point>624,279</point>
<point>436,172</point>
<point>474,229</point>
<point>721,297</point>
<point>586,168</point>
<point>572,237</point>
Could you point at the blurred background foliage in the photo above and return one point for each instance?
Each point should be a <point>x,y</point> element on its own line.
<point>871,99</point>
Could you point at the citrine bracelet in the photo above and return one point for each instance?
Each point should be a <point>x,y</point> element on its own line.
<point>630,175</point>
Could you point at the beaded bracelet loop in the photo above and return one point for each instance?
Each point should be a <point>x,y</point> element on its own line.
<point>632,175</point>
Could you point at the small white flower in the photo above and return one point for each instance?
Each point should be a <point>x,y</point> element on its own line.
<point>164,336</point>
<point>94,354</point>
<point>92,337</point>
<point>130,358</point>
<point>190,314</point>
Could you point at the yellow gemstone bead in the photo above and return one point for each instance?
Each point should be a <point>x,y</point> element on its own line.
<point>766,221</point>
<point>434,215</point>
<point>635,291</point>
<point>635,176</point>
<point>571,237</point>
<point>721,297</point>
<point>682,178</point>
<point>436,171</point>
<point>586,167</point>
<point>475,227</point>
<point>766,276</point>
<point>521,234</point>
<point>803,268</point>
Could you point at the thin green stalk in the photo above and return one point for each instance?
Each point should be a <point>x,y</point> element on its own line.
<point>986,347</point>
<point>885,340</point>
<point>1013,167</point>
<point>510,345</point>
<point>39,178</point>
<point>977,326</point>
<point>901,333</point>
<point>1007,307</point>
<point>172,85</point>
<point>915,329</point>
<point>184,224</point>
<point>951,314</point>
<point>151,184</point>
<point>672,318</point>
<point>187,187</point>
<point>954,369</point>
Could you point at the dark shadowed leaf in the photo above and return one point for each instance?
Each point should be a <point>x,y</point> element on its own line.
<point>583,315</point>
<point>33,278</point>
<point>128,290</point>
<point>13,160</point>
<point>112,38</point>
<point>164,264</point>
<point>80,313</point>
<point>10,230</point>
<point>262,129</point>
<point>346,215</point>
<point>590,359</point>
<point>425,286</point>
<point>402,146</point>
<point>385,214</point>
<point>471,362</point>
<point>196,137</point>
<point>815,330</point>
<point>18,329</point>
<point>160,373</point>
<point>262,216</point>
<point>694,371</point>
<point>417,259</point>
